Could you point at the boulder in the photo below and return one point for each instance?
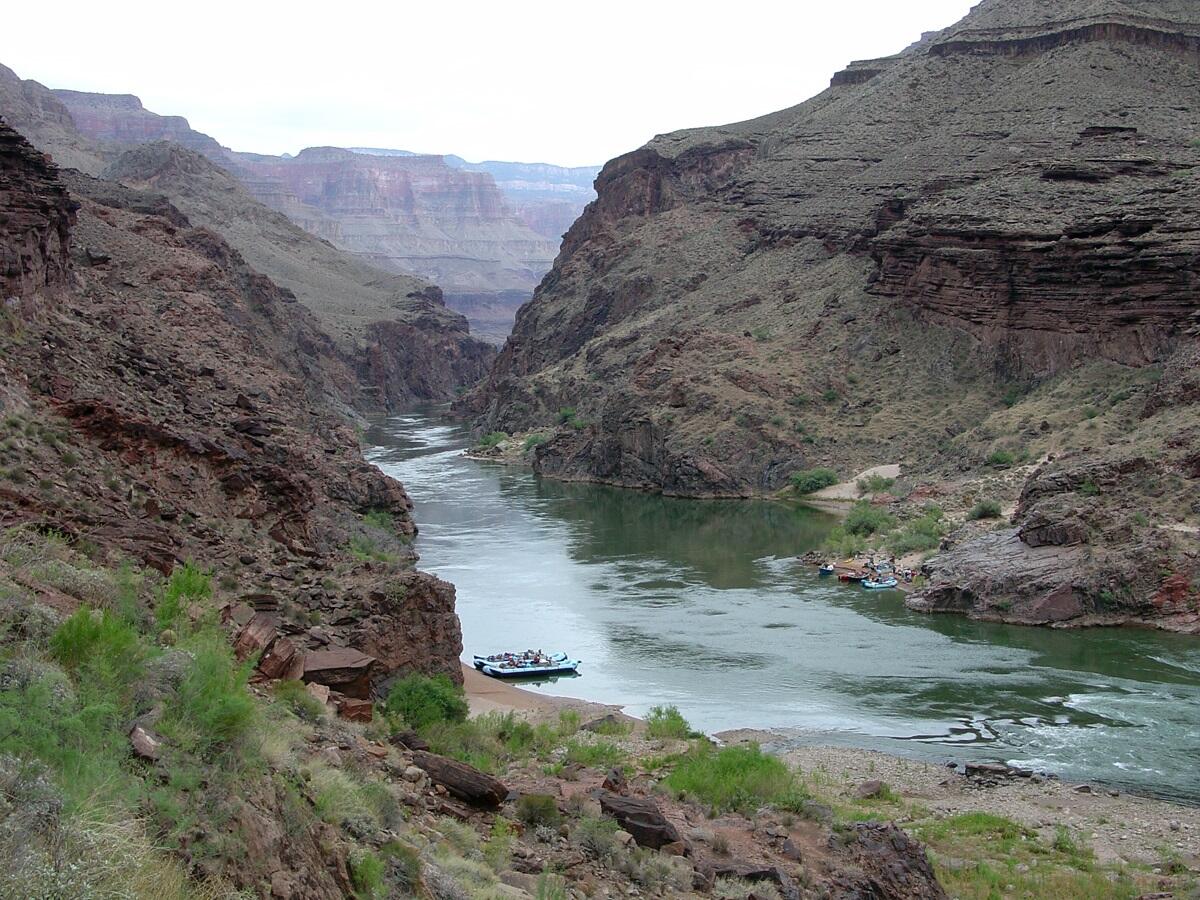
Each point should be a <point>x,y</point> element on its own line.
<point>353,709</point>
<point>342,669</point>
<point>146,744</point>
<point>282,660</point>
<point>255,637</point>
<point>641,818</point>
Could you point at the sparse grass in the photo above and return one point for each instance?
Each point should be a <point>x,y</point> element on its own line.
<point>597,754</point>
<point>597,838</point>
<point>736,779</point>
<point>810,481</point>
<point>295,696</point>
<point>538,809</point>
<point>365,549</point>
<point>492,439</point>
<point>667,722</point>
<point>985,509</point>
<point>381,520</point>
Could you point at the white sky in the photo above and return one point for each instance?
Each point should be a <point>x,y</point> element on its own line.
<point>530,80</point>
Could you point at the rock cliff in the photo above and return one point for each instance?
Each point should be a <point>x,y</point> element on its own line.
<point>392,329</point>
<point>165,402</point>
<point>888,272</point>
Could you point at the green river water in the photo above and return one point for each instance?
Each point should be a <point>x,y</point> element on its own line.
<point>703,604</point>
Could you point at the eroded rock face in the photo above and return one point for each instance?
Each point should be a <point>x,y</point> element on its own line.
<point>195,412</point>
<point>35,231</point>
<point>1008,199</point>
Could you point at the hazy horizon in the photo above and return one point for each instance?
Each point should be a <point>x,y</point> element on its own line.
<point>533,82</point>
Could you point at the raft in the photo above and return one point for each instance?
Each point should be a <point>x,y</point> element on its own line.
<point>498,658</point>
<point>531,670</point>
<point>827,569</point>
<point>882,584</point>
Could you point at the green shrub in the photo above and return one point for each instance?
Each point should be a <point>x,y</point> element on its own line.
<point>920,534</point>
<point>551,887</point>
<point>737,779</point>
<point>97,645</point>
<point>842,544</point>
<point>865,519</point>
<point>874,484</point>
<point>811,480</point>
<point>404,863</point>
<point>985,509</point>
<point>381,519</point>
<point>1001,459</point>
<point>1089,489</point>
<point>490,740</point>
<point>498,850</point>
<point>296,697</point>
<point>538,809</point>
<point>534,440</point>
<point>212,708</point>
<point>566,415</point>
<point>424,701</point>
<point>492,439</point>
<point>366,873</point>
<point>830,395</point>
<point>364,549</point>
<point>667,722</point>
<point>186,584</point>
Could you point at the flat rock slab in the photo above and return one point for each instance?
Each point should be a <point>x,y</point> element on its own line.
<point>642,818</point>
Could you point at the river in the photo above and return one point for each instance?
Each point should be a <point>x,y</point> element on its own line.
<point>702,604</point>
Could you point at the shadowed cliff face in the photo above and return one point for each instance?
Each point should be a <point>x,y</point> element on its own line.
<point>181,406</point>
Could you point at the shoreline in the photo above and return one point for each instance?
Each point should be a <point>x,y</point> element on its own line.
<point>1118,826</point>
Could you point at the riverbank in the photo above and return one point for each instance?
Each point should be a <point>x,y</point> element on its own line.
<point>1116,828</point>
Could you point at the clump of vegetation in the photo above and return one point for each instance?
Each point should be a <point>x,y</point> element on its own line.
<point>538,809</point>
<point>598,838</point>
<point>365,549</point>
<point>187,584</point>
<point>737,779</point>
<point>874,484</point>
<point>534,440</point>
<point>594,754</point>
<point>830,395</point>
<point>1089,489</point>
<point>491,440</point>
<point>921,534</point>
<point>367,872</point>
<point>667,722</point>
<point>211,708</point>
<point>422,701</point>
<point>810,481</point>
<point>842,543</point>
<point>985,509</point>
<point>865,519</point>
<point>380,519</point>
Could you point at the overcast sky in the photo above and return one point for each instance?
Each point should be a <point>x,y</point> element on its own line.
<point>530,80</point>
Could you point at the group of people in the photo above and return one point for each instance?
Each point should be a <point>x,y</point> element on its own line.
<point>520,660</point>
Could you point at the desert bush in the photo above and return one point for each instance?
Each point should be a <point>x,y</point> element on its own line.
<point>534,440</point>
<point>423,701</point>
<point>985,509</point>
<point>380,519</point>
<point>367,874</point>
<point>874,484</point>
<point>841,543</point>
<point>186,584</point>
<point>566,415</point>
<point>667,722</point>
<point>538,809</point>
<point>919,534</point>
<point>597,754</point>
<point>1001,459</point>
<point>865,519</point>
<point>811,480</point>
<point>598,838</point>
<point>211,709</point>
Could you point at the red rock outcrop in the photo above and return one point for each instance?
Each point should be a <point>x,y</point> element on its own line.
<point>35,230</point>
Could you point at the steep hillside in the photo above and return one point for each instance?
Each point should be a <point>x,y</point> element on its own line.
<point>393,330</point>
<point>983,247</point>
<point>164,402</point>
